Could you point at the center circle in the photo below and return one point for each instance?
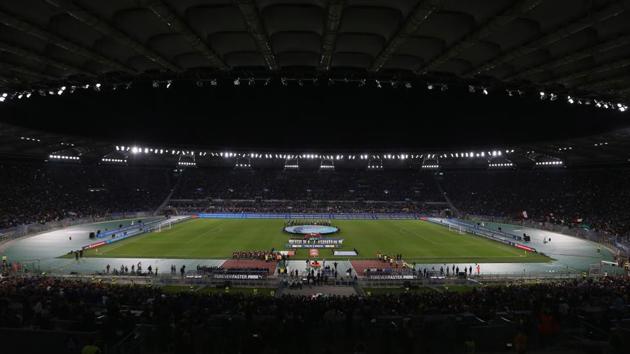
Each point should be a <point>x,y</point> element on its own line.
<point>311,229</point>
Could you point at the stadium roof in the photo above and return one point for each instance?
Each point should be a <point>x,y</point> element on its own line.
<point>377,74</point>
<point>576,45</point>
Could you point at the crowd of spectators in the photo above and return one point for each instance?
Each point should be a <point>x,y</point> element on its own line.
<point>427,321</point>
<point>40,193</point>
<point>299,206</point>
<point>394,185</point>
<point>596,198</point>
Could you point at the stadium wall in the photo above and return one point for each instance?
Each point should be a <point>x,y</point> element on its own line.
<point>37,228</point>
<point>138,230</point>
<point>611,241</point>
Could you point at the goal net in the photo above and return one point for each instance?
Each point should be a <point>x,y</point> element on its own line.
<point>166,226</point>
<point>457,229</point>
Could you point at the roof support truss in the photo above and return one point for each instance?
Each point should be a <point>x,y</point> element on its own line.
<point>583,23</point>
<point>176,24</point>
<point>619,64</point>
<point>257,31</point>
<point>6,47</point>
<point>103,27</point>
<point>423,10</point>
<point>607,84</point>
<point>35,31</point>
<point>333,19</point>
<point>490,27</point>
<point>571,58</point>
<point>24,71</point>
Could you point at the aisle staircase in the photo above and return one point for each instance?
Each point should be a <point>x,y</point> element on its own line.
<point>456,211</point>
<point>168,197</point>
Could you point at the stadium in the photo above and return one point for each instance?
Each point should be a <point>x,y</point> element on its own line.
<point>326,176</point>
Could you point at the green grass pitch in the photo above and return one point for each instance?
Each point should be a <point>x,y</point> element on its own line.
<point>418,241</point>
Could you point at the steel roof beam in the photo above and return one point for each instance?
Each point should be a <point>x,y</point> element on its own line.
<point>329,39</point>
<point>7,81</point>
<point>423,10</point>
<point>495,24</point>
<point>9,48</point>
<point>176,24</point>
<point>35,31</point>
<point>25,71</point>
<point>612,10</point>
<point>105,28</point>
<point>606,83</point>
<point>571,58</point>
<point>602,68</point>
<point>257,31</point>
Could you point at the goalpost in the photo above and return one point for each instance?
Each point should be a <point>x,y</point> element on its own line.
<point>168,226</point>
<point>457,229</point>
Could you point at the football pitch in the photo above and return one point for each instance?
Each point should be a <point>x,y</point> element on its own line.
<point>418,241</point>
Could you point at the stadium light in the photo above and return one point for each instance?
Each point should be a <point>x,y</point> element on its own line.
<point>549,163</point>
<point>501,164</point>
<point>63,157</point>
<point>105,159</point>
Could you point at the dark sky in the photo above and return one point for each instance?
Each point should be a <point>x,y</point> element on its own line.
<point>339,116</point>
